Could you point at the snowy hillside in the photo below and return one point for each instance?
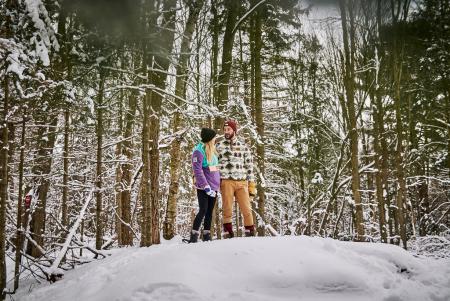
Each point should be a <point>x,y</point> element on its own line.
<point>282,268</point>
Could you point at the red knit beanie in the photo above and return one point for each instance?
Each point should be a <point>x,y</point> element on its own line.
<point>232,124</point>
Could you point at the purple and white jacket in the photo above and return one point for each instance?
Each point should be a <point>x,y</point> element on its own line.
<point>205,173</point>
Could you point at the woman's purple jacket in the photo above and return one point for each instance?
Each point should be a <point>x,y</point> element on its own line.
<point>203,175</point>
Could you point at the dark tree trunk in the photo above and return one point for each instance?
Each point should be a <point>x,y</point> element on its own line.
<point>4,185</point>
<point>259,115</point>
<point>98,176</point>
<point>232,7</point>
<point>180,91</point>
<point>349,81</point>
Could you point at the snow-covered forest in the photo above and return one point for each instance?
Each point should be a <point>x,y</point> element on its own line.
<point>345,104</point>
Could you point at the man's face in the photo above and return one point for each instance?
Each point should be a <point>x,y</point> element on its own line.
<point>228,132</point>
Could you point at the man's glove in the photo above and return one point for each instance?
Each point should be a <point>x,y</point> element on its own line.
<point>251,188</point>
<point>210,192</point>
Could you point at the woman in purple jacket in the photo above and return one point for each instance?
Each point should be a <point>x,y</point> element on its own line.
<point>207,181</point>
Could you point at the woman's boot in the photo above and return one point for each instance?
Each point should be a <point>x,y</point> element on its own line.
<point>206,235</point>
<point>194,236</point>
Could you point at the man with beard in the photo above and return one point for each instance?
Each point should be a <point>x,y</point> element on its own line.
<point>237,178</point>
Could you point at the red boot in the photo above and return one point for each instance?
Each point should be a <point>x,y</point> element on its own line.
<point>249,231</point>
<point>228,231</point>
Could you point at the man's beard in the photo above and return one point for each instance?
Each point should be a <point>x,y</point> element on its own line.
<point>229,136</point>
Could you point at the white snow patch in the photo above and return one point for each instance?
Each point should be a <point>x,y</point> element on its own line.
<point>260,268</point>
<point>317,178</point>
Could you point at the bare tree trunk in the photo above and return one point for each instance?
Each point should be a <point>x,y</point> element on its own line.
<point>146,225</point>
<point>4,185</point>
<point>64,220</point>
<point>119,185</point>
<point>380,175</point>
<point>98,176</point>
<point>20,229</point>
<point>259,116</point>
<point>161,60</point>
<point>227,48</point>
<point>349,82</point>
<point>46,143</point>
<point>154,122</point>
<point>63,64</point>
<point>145,182</point>
<point>384,157</point>
<point>397,77</point>
<point>334,190</point>
<point>158,50</point>
<point>180,91</point>
<point>126,237</point>
<point>401,191</point>
<point>215,95</point>
<point>214,63</point>
<point>244,69</point>
<point>448,129</point>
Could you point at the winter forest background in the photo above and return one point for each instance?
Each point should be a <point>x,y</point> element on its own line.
<point>346,105</point>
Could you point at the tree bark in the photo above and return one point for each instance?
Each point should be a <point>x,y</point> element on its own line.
<point>232,7</point>
<point>215,24</point>
<point>401,191</point>
<point>397,77</point>
<point>259,116</point>
<point>20,229</point>
<point>64,219</point>
<point>159,60</point>
<point>119,185</point>
<point>162,60</point>
<point>381,169</point>
<point>448,130</point>
<point>98,176</point>
<point>349,82</point>
<point>4,185</point>
<point>215,50</point>
<point>334,191</point>
<point>180,91</point>
<point>145,181</point>
<point>46,142</point>
<point>63,64</point>
<point>126,237</point>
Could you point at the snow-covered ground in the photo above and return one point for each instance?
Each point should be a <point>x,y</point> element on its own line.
<point>263,269</point>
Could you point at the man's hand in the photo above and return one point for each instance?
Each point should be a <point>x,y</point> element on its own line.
<point>251,188</point>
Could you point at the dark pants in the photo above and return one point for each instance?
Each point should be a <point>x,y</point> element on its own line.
<point>206,204</point>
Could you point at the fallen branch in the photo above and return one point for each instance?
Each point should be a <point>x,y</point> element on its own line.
<point>54,272</point>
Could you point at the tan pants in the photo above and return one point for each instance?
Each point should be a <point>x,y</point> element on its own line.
<point>239,189</point>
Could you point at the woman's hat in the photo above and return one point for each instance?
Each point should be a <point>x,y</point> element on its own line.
<point>207,134</point>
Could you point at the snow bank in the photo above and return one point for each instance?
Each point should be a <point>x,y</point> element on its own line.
<point>267,268</point>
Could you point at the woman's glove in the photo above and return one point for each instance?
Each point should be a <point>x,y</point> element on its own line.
<point>210,192</point>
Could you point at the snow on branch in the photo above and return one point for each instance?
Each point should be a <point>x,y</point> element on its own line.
<point>54,271</point>
<point>45,38</point>
<point>245,16</point>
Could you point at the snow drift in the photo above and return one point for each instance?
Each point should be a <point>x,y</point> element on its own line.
<point>260,268</point>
